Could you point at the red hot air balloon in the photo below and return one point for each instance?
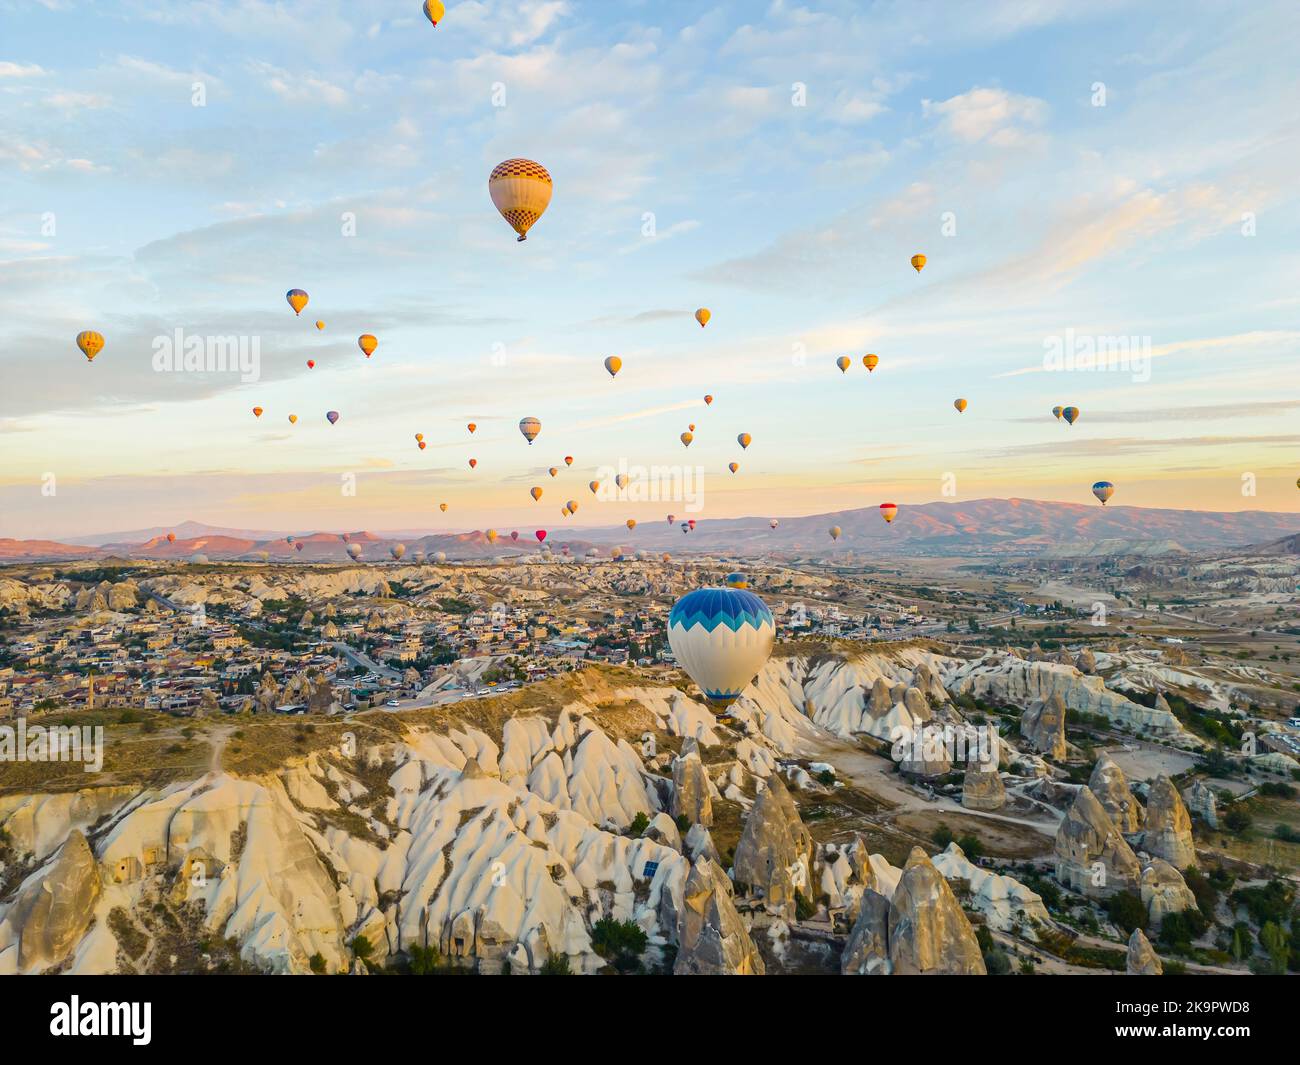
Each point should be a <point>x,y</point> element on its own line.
<point>514,535</point>
<point>331,416</point>
<point>540,534</point>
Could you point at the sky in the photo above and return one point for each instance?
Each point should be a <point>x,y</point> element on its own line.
<point>1073,173</point>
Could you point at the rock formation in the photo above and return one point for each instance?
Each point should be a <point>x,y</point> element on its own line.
<point>867,951</point>
<point>1164,891</point>
<point>981,788</point>
<point>711,938</point>
<point>774,854</point>
<point>1086,662</point>
<point>1142,960</point>
<point>928,932</point>
<point>1201,801</point>
<point>691,798</point>
<point>1110,786</point>
<point>1043,726</point>
<point>53,908</point>
<point>1168,832</point>
<point>1091,855</point>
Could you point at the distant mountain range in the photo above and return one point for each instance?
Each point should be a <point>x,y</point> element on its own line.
<point>979,527</point>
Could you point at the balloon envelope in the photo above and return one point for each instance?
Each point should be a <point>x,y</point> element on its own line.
<point>1103,490</point>
<point>297,299</point>
<point>520,191</point>
<point>721,637</point>
<point>90,343</point>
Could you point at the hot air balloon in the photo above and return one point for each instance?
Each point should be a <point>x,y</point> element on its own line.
<point>666,556</point>
<point>918,263</point>
<point>1103,490</point>
<point>419,437</point>
<point>1070,414</point>
<point>299,546</point>
<point>568,460</point>
<point>702,316</point>
<point>722,637</point>
<point>870,362</point>
<point>835,532</point>
<point>293,419</point>
<point>685,527</point>
<point>320,324</point>
<point>434,10</point>
<point>733,466</point>
<point>691,524</point>
<point>1057,412</point>
<point>743,439</point>
<point>773,523</point>
<point>344,537</point>
<point>354,550</point>
<point>736,580</point>
<point>540,534</point>
<point>594,486</point>
<point>536,493</point>
<point>297,299</point>
<point>442,507</point>
<point>554,471</point>
<point>421,445</point>
<point>520,190</point>
<point>887,511</point>
<point>530,427</point>
<point>631,523</point>
<point>572,504</point>
<point>843,363</point>
<point>613,364</point>
<point>90,343</point>
<point>514,536</point>
<point>331,416</point>
<point>417,556</point>
<point>621,480</point>
<point>473,463</point>
<point>311,364</point>
<point>492,536</point>
<point>397,551</point>
<point>960,404</point>
<point>564,512</point>
<point>440,557</point>
<point>686,439</point>
<point>171,538</point>
<point>288,539</point>
<point>471,427</point>
<point>670,519</point>
<point>708,401</point>
<point>367,344</point>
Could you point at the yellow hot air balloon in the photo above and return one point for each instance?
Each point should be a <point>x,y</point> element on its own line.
<point>297,299</point>
<point>536,493</point>
<point>442,507</point>
<point>1056,412</point>
<point>594,486</point>
<point>687,438</point>
<point>613,364</point>
<point>293,419</point>
<point>743,439</point>
<point>918,263</point>
<point>733,466</point>
<point>320,324</point>
<point>621,480</point>
<point>564,512</point>
<point>492,536</point>
<point>835,532</point>
<point>631,523</point>
<point>572,504</point>
<point>90,343</point>
<point>434,10</point>
<point>419,437</point>
<point>554,471</point>
<point>960,404</point>
<point>702,316</point>
<point>530,427</point>
<point>367,343</point>
<point>521,191</point>
<point>870,362</point>
<point>843,363</point>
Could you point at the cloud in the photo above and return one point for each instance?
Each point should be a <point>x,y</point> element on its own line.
<point>20,70</point>
<point>995,116</point>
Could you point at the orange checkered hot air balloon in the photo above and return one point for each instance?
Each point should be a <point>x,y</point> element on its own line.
<point>521,191</point>
<point>870,362</point>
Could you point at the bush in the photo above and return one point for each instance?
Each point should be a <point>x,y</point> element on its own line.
<point>1126,911</point>
<point>318,963</point>
<point>1237,820</point>
<point>997,963</point>
<point>639,824</point>
<point>555,965</point>
<point>611,938</point>
<point>942,835</point>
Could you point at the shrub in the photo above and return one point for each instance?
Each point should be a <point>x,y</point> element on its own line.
<point>997,963</point>
<point>555,965</point>
<point>1126,911</point>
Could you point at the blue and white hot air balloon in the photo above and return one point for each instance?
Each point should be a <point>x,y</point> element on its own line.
<point>721,637</point>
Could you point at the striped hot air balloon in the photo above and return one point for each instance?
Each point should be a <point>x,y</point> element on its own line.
<point>721,637</point>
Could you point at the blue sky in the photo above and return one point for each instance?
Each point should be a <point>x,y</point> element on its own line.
<point>793,223</point>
